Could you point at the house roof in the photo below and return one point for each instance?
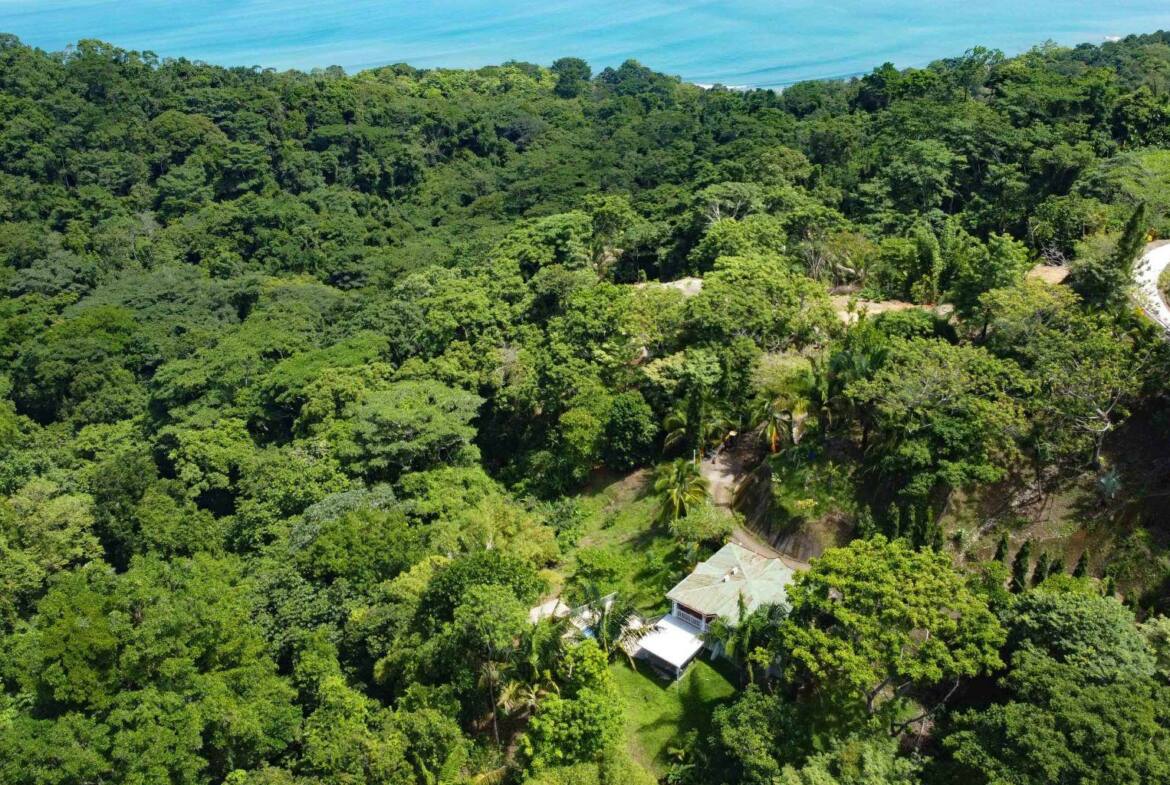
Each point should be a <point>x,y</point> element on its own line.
<point>715,585</point>
<point>672,641</point>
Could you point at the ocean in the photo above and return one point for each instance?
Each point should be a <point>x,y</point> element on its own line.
<point>742,44</point>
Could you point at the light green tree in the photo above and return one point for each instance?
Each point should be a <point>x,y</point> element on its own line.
<point>876,622</point>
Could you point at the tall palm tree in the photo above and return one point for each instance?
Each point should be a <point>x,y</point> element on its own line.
<point>539,650</point>
<point>696,422</point>
<point>490,673</point>
<point>780,413</point>
<point>680,485</point>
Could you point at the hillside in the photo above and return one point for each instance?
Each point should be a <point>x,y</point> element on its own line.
<point>316,387</point>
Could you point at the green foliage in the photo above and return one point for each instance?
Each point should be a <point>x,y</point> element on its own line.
<point>1104,280</point>
<point>284,358</point>
<point>704,523</point>
<point>681,487</point>
<point>757,296</point>
<point>170,668</point>
<point>411,425</point>
<point>43,532</point>
<point>1088,368</point>
<point>630,432</point>
<point>582,723</point>
<point>855,762</point>
<point>1059,729</point>
<point>874,621</point>
<point>757,735</point>
<point>947,416</point>
<point>1081,704</point>
<point>1096,637</point>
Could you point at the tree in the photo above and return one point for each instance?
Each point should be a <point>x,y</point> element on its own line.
<point>680,486</point>
<point>787,386</point>
<point>756,735</point>
<point>1157,634</point>
<point>488,621</point>
<point>1087,368</point>
<point>411,425</point>
<point>759,234</point>
<point>43,532</point>
<point>1058,729</point>
<point>1041,571</point>
<point>855,761</point>
<point>581,724</point>
<point>1081,704</point>
<point>170,666</point>
<point>572,75</point>
<point>1001,547</point>
<point>758,297</point>
<point>1082,567</point>
<point>615,624</point>
<point>750,640</point>
<point>630,431</point>
<point>76,361</point>
<point>1000,263</point>
<point>947,416</point>
<point>704,523</point>
<point>876,621</point>
<point>1095,636</point>
<point>1105,280</point>
<point>1022,566</point>
<point>347,738</point>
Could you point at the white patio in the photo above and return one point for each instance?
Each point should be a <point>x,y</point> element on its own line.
<point>672,644</point>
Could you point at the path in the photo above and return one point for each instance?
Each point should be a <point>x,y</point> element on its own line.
<point>722,475</point>
<point>1149,269</point>
<point>723,472</point>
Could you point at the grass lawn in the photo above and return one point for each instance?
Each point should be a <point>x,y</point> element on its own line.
<point>620,519</point>
<point>658,713</point>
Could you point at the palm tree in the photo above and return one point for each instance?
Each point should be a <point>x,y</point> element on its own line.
<point>796,386</point>
<point>864,351</point>
<point>745,642</point>
<point>775,422</point>
<point>521,700</point>
<point>684,755</point>
<point>680,485</point>
<point>617,626</point>
<point>677,429</point>
<point>697,422</point>
<point>489,679</point>
<point>540,648</point>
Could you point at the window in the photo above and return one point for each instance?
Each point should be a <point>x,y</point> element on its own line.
<point>689,616</point>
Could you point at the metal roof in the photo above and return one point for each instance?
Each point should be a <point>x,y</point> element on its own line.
<point>715,585</point>
<point>672,641</point>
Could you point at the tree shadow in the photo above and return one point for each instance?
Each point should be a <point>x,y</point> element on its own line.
<point>695,707</point>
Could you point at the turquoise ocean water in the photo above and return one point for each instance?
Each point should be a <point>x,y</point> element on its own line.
<point>751,43</point>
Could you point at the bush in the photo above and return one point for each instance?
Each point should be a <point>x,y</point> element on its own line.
<point>704,524</point>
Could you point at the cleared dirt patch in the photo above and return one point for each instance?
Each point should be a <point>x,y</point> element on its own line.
<point>1048,273</point>
<point>849,309</point>
<point>688,286</point>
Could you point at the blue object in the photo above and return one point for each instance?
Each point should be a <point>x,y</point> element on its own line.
<point>754,43</point>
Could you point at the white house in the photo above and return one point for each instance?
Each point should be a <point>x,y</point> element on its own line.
<point>711,591</point>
